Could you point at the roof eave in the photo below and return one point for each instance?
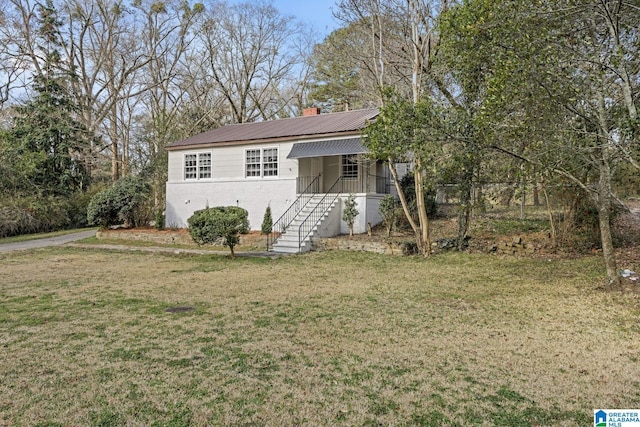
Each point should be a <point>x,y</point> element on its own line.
<point>260,141</point>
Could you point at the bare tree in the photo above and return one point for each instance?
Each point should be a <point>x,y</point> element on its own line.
<point>107,53</point>
<point>168,38</point>
<point>12,64</point>
<point>250,58</point>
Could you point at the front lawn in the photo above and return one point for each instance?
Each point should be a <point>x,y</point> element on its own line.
<point>335,338</point>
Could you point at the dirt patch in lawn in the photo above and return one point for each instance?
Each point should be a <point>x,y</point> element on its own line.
<point>253,240</point>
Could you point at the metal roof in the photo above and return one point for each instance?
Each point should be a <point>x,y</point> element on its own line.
<point>332,147</point>
<point>297,127</point>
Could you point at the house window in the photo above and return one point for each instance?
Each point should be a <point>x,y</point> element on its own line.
<point>204,165</point>
<point>349,165</point>
<point>253,163</point>
<point>197,166</point>
<point>261,162</point>
<point>270,161</point>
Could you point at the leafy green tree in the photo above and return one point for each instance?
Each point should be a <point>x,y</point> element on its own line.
<point>349,213</point>
<point>208,225</point>
<point>561,84</point>
<point>122,203</point>
<point>340,70</point>
<point>407,183</point>
<point>405,131</point>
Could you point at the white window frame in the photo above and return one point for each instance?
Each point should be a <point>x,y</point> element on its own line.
<point>265,167</point>
<point>354,163</point>
<point>200,166</point>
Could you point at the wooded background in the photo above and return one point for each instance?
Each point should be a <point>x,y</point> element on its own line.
<point>471,92</point>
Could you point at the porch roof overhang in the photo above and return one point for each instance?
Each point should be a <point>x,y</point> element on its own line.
<point>332,147</point>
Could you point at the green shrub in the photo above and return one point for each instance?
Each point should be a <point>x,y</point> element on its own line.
<point>267,221</point>
<point>350,212</point>
<point>390,211</point>
<point>36,214</point>
<point>408,186</point>
<point>16,220</point>
<point>159,221</point>
<point>122,203</point>
<point>77,207</point>
<point>208,225</point>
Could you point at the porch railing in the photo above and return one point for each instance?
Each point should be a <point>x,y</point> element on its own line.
<point>371,183</point>
<point>304,184</point>
<point>281,225</point>
<point>314,217</point>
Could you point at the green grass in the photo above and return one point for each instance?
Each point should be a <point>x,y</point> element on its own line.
<point>330,338</point>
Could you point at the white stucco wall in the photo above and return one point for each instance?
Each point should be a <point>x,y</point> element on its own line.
<point>367,206</point>
<point>185,198</point>
<point>332,223</point>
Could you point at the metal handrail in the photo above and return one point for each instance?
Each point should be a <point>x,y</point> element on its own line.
<point>281,225</point>
<point>314,217</point>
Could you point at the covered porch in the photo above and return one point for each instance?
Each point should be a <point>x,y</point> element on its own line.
<point>338,166</point>
<point>328,171</point>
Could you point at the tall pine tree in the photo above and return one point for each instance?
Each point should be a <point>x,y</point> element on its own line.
<point>46,142</point>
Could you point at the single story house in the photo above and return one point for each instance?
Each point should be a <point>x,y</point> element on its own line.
<point>301,167</point>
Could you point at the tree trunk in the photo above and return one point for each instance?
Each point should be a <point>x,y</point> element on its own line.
<point>115,155</point>
<point>115,171</point>
<point>417,231</point>
<point>523,197</point>
<point>480,202</point>
<point>425,241</point>
<point>604,218</point>
<point>603,200</point>
<point>552,222</point>
<point>466,202</point>
<point>464,217</point>
<point>603,204</point>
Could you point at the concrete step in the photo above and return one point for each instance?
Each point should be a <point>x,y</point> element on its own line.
<point>285,249</point>
<point>288,241</point>
<point>291,248</point>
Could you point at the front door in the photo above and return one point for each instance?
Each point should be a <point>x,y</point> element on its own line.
<point>316,170</point>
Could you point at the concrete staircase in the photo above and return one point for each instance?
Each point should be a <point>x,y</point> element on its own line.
<point>287,242</point>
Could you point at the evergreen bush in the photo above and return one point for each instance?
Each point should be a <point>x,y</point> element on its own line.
<point>208,225</point>
<point>122,203</point>
<point>267,221</point>
<point>37,214</point>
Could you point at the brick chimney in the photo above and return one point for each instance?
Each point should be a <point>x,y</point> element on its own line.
<point>313,111</point>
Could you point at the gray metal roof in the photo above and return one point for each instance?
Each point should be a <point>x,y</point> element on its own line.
<point>333,147</point>
<point>297,127</point>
